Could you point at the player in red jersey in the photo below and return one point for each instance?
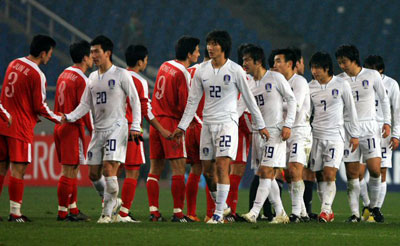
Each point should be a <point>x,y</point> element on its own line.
<point>69,138</point>
<point>24,97</point>
<point>168,102</point>
<point>136,57</point>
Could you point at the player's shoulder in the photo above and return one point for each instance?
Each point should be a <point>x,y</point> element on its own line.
<point>343,75</point>
<point>277,76</point>
<point>32,68</point>
<point>298,79</point>
<point>389,81</point>
<point>137,77</point>
<point>371,73</point>
<point>313,84</point>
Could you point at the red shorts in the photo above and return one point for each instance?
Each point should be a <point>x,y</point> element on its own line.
<point>132,166</point>
<point>15,150</point>
<point>134,154</point>
<point>193,143</point>
<point>69,144</point>
<point>161,148</point>
<point>243,148</point>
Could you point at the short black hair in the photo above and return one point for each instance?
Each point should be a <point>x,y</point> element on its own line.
<point>350,52</point>
<point>289,56</point>
<point>271,58</point>
<point>374,62</point>
<point>79,50</point>
<point>322,60</point>
<point>297,52</point>
<point>41,43</point>
<point>105,43</point>
<point>185,45</point>
<point>223,39</point>
<point>256,53</point>
<point>240,50</point>
<point>135,53</point>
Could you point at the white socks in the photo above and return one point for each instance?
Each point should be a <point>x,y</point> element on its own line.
<point>275,198</point>
<point>99,186</point>
<point>296,195</point>
<point>353,195</point>
<point>374,190</point>
<point>364,193</point>
<point>382,195</point>
<point>263,190</point>
<point>328,195</point>
<point>110,194</point>
<point>220,201</point>
<point>15,208</point>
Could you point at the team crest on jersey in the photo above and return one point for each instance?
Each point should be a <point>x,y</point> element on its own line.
<point>111,83</point>
<point>268,87</point>
<point>365,84</point>
<point>346,153</point>
<point>89,155</point>
<point>206,151</point>
<point>335,93</point>
<point>227,79</point>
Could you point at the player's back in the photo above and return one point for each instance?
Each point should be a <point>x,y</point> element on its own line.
<point>301,91</point>
<point>171,90</point>
<point>392,89</point>
<point>192,70</point>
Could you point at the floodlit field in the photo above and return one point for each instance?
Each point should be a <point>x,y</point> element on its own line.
<point>40,204</point>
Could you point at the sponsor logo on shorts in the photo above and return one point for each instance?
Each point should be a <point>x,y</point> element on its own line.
<point>90,155</point>
<point>111,84</point>
<point>268,87</point>
<point>365,84</point>
<point>206,151</point>
<point>227,79</point>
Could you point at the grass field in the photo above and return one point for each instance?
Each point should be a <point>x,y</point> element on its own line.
<point>40,204</point>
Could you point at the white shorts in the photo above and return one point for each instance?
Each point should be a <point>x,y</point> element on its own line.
<point>218,140</point>
<point>386,161</point>
<point>273,151</point>
<point>299,145</point>
<point>108,145</point>
<point>369,143</point>
<point>326,153</point>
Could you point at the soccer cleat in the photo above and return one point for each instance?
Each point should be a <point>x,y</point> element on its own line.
<point>132,218</point>
<point>19,219</point>
<point>280,219</point>
<point>234,218</point>
<point>313,217</point>
<point>216,219</point>
<point>268,218</point>
<point>104,219</point>
<point>325,217</point>
<point>250,217</point>
<point>206,219</point>
<point>295,219</point>
<point>117,206</point>
<point>353,219</point>
<point>126,219</point>
<point>155,218</point>
<point>69,218</point>
<point>305,219</point>
<point>370,219</point>
<point>377,215</point>
<point>194,218</point>
<point>227,211</point>
<point>365,214</point>
<point>80,216</point>
<point>183,219</point>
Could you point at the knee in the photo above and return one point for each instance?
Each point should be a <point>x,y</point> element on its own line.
<point>94,176</point>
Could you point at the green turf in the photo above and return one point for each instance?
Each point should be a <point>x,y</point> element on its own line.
<point>40,204</point>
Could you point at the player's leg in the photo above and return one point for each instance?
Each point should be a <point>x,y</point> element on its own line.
<point>237,170</point>
<point>382,194</point>
<point>178,188</point>
<point>97,178</point>
<point>209,173</point>
<point>16,191</point>
<point>192,188</point>
<point>223,184</point>
<point>296,174</point>
<point>329,192</point>
<point>374,185</point>
<point>128,193</point>
<point>110,171</point>
<point>153,188</point>
<point>309,180</point>
<point>353,188</point>
<point>65,189</point>
<point>4,165</point>
<point>364,192</point>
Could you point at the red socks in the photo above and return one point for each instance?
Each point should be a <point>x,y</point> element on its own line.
<point>73,209</point>
<point>153,190</point>
<point>178,194</point>
<point>210,203</point>
<point>233,192</point>
<point>192,187</point>
<point>127,195</point>
<point>15,192</point>
<point>64,192</point>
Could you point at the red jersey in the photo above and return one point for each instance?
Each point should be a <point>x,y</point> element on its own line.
<point>199,112</point>
<point>171,90</point>
<point>3,113</point>
<point>70,86</point>
<point>24,95</point>
<point>143,91</point>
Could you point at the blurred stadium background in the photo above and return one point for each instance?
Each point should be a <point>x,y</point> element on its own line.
<point>309,24</point>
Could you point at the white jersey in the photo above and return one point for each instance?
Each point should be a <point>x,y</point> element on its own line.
<point>393,93</point>
<point>270,92</point>
<point>105,95</point>
<point>365,86</point>
<point>329,103</point>
<point>301,91</point>
<point>242,107</point>
<point>221,87</point>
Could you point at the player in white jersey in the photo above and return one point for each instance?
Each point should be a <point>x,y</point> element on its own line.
<point>299,143</point>
<point>222,80</point>
<point>389,143</point>
<point>270,91</point>
<point>331,98</point>
<point>105,95</point>
<point>365,85</point>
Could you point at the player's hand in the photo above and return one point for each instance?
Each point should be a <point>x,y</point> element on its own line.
<point>353,144</point>
<point>63,118</point>
<point>136,136</point>
<point>286,131</point>
<point>9,121</point>
<point>264,133</point>
<point>177,135</point>
<point>394,143</point>
<point>166,134</point>
<point>385,130</point>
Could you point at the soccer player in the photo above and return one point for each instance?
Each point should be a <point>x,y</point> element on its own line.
<point>270,91</point>
<point>331,99</point>
<point>105,95</point>
<point>24,96</point>
<point>389,143</point>
<point>299,143</point>
<point>222,80</point>
<point>366,84</point>
<point>70,138</point>
<point>169,100</point>
<point>136,57</point>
